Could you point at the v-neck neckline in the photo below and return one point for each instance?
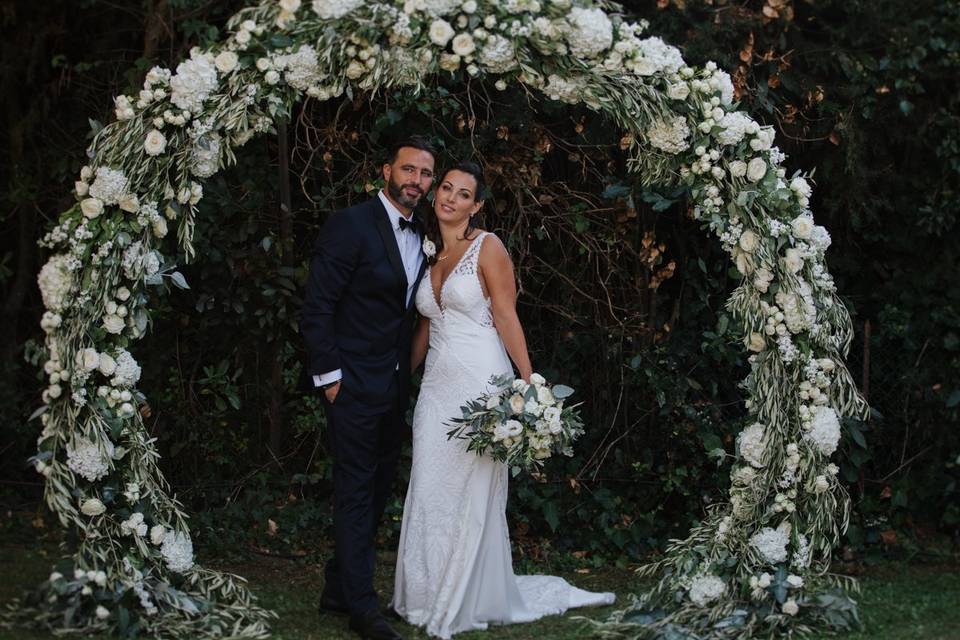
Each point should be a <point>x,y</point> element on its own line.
<point>438,299</point>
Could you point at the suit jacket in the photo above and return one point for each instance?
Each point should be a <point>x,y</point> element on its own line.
<point>355,316</point>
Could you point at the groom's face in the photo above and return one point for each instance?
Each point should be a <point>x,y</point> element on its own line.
<point>409,176</point>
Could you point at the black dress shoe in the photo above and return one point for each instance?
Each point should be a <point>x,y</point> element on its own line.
<point>371,625</point>
<point>330,606</point>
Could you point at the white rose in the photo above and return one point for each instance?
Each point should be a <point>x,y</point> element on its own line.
<point>678,91</point>
<point>738,168</point>
<point>157,534</point>
<point>795,581</point>
<point>264,64</point>
<point>793,260</point>
<point>90,358</point>
<point>107,364</point>
<point>86,172</point>
<point>826,364</point>
<point>802,227</point>
<point>756,169</point>
<point>790,607</point>
<point>764,580</point>
<point>54,391</point>
<point>242,37</point>
<point>226,61</point>
<point>517,403</point>
<point>449,62</point>
<point>748,241</point>
<point>91,207</point>
<point>756,342</point>
<point>113,323</point>
<point>513,428</point>
<point>159,227</point>
<point>92,507</point>
<point>102,612</point>
<point>81,188</point>
<point>800,187</point>
<point>469,6</point>
<point>520,385</point>
<point>463,44</point>
<point>130,203</point>
<point>290,5</point>
<point>155,143</point>
<point>821,484</point>
<point>271,77</point>
<point>537,379</point>
<point>441,32</point>
<point>545,396</point>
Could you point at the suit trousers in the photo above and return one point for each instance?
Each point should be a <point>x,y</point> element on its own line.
<point>365,440</point>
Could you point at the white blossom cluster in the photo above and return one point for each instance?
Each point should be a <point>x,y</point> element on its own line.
<point>134,525</point>
<point>195,79</point>
<point>110,185</point>
<point>56,283</point>
<point>590,33</point>
<point>88,460</point>
<point>177,550</point>
<point>669,136</point>
<point>205,156</point>
<point>772,543</point>
<point>751,444</point>
<point>822,428</point>
<point>705,588</point>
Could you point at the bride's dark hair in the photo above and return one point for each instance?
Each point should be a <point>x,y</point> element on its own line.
<point>432,225</point>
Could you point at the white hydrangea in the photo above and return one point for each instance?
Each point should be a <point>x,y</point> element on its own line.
<point>86,459</point>
<point>110,186</point>
<point>333,9</point>
<point>591,32</point>
<point>706,588</point>
<point>670,136</point>
<point>653,55</point>
<point>127,371</point>
<point>734,127</point>
<point>55,281</point>
<point>569,90</point>
<point>205,156</point>
<point>177,550</point>
<point>751,444</point>
<point>721,81</point>
<point>498,55</point>
<point>824,430</point>
<point>194,81</point>
<point>302,69</point>
<point>771,544</point>
<point>437,7</point>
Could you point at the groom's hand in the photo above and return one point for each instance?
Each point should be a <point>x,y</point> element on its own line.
<point>331,392</point>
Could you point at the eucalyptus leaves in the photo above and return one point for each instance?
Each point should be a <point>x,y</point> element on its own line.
<point>755,565</point>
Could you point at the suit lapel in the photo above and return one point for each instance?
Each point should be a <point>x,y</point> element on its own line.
<point>382,223</point>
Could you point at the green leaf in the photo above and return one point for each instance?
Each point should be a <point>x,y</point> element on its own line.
<point>562,391</point>
<point>551,515</point>
<point>179,280</point>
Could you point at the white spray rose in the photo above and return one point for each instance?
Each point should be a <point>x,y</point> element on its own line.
<point>226,61</point>
<point>107,364</point>
<point>802,227</point>
<point>91,207</point>
<point>92,507</point>
<point>155,143</point>
<point>517,403</point>
<point>749,241</point>
<point>790,607</point>
<point>441,32</point>
<point>756,169</point>
<point>738,168</point>
<point>463,45</point>
<point>157,534</point>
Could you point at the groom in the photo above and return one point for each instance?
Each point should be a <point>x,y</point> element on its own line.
<point>358,319</point>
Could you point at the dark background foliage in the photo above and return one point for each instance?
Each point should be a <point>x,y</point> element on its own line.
<point>621,294</point>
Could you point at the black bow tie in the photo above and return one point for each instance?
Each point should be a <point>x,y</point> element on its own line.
<point>410,224</point>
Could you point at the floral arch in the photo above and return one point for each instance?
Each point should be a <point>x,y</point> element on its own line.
<point>756,565</point>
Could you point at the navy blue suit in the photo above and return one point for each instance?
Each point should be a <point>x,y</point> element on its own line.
<point>356,319</point>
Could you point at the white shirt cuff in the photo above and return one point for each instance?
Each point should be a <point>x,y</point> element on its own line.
<point>327,378</point>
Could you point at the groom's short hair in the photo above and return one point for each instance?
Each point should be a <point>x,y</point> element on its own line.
<point>415,142</point>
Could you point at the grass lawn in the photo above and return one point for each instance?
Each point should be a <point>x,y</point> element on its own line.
<point>900,600</point>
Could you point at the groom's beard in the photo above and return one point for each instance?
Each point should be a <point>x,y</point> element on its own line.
<point>397,192</point>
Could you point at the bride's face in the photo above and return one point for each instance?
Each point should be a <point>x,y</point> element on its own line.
<point>456,198</point>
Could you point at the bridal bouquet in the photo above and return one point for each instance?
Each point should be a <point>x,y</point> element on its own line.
<point>518,423</point>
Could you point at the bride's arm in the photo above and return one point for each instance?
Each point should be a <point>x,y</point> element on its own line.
<point>421,339</point>
<point>496,273</point>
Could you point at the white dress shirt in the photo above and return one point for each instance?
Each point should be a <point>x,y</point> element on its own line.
<point>408,242</point>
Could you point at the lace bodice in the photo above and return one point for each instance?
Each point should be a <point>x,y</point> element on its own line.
<point>461,299</point>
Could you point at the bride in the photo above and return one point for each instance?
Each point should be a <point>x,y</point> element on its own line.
<point>454,568</point>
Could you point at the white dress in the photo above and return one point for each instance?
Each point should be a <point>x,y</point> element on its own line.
<point>454,567</point>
